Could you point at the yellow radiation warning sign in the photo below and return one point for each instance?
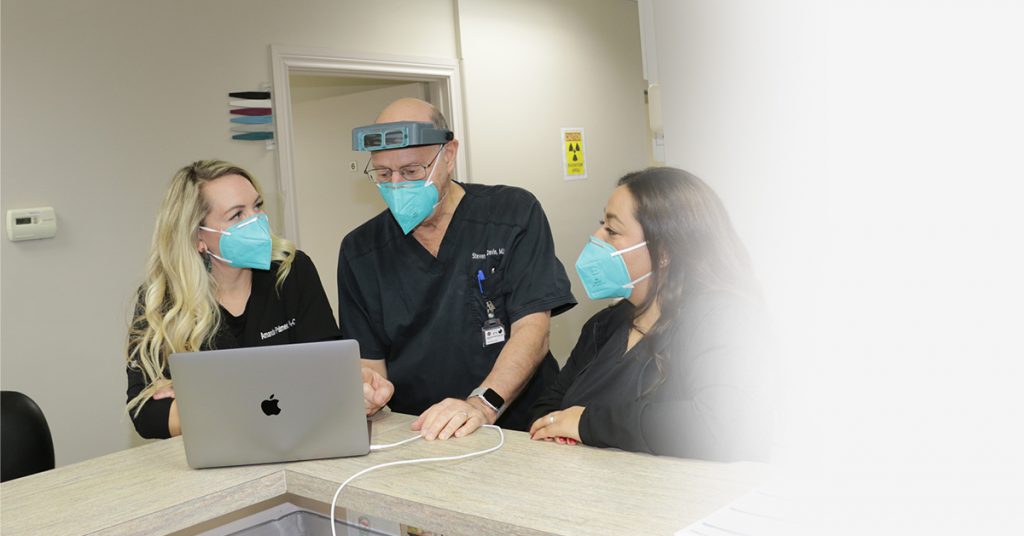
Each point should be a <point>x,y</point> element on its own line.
<point>575,166</point>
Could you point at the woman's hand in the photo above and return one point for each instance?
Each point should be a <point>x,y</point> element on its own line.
<point>377,390</point>
<point>561,426</point>
<point>164,390</point>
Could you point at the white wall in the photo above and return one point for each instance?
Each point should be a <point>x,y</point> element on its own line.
<point>532,67</point>
<point>331,198</point>
<point>743,100</point>
<point>869,153</point>
<point>102,101</point>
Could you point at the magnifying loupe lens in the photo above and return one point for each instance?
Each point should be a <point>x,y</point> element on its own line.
<point>394,138</point>
<point>371,140</point>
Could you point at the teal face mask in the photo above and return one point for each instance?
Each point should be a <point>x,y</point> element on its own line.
<point>411,202</point>
<point>603,272</point>
<point>246,244</point>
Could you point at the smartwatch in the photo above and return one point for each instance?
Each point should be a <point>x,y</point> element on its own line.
<point>491,398</point>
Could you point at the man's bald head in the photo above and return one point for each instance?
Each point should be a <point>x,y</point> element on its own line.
<point>409,109</point>
<point>439,162</point>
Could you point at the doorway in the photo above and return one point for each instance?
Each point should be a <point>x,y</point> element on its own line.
<point>319,97</point>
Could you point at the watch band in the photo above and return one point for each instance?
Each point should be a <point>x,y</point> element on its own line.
<point>491,398</point>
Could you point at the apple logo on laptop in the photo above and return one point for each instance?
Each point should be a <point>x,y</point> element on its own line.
<point>269,406</point>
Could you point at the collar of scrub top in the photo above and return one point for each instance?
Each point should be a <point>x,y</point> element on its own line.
<point>399,134</point>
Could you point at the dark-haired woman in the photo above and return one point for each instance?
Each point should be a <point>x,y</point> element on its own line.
<point>677,366</point>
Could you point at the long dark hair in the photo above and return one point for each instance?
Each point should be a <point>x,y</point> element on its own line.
<point>693,247</point>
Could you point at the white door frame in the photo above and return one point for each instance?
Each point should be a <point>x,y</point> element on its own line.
<point>288,59</point>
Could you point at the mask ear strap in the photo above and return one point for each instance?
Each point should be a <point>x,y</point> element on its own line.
<point>439,201</point>
<point>633,283</point>
<point>206,258</point>
<point>630,248</point>
<point>218,257</point>
<point>436,164</point>
<point>243,224</point>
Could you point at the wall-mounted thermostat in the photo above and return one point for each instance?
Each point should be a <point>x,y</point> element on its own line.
<point>31,223</point>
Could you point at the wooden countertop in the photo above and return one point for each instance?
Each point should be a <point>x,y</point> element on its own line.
<point>527,487</point>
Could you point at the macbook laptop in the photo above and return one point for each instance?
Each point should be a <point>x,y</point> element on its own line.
<point>271,404</point>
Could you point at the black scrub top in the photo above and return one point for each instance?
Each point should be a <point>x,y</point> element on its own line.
<point>424,315</point>
<point>715,402</point>
<point>299,313</point>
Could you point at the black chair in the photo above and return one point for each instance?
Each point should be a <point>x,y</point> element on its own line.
<point>26,446</point>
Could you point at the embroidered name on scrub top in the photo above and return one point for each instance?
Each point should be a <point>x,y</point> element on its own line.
<point>490,253</point>
<point>264,335</point>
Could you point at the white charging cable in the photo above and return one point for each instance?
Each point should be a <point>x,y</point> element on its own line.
<point>390,445</point>
<point>334,501</point>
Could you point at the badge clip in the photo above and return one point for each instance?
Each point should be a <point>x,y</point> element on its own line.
<point>493,330</point>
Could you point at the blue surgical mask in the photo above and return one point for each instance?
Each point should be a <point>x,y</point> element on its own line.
<point>603,272</point>
<point>411,202</point>
<point>246,244</point>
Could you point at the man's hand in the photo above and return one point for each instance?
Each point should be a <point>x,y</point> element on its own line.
<point>450,417</point>
<point>377,390</point>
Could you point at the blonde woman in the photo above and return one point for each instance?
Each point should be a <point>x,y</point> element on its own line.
<point>217,277</point>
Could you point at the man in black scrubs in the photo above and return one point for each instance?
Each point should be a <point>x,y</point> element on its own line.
<point>450,291</point>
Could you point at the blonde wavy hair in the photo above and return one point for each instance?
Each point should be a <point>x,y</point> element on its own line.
<point>177,309</point>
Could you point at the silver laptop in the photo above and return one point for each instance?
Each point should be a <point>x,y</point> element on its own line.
<point>271,404</point>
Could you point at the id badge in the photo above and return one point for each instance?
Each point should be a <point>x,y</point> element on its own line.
<point>494,331</point>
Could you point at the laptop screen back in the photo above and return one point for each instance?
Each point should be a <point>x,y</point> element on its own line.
<point>271,404</point>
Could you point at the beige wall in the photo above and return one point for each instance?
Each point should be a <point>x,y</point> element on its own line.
<point>104,100</point>
<point>742,107</point>
<point>533,67</point>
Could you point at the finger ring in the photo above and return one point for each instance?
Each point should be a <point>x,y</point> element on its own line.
<point>464,413</point>
<point>551,419</point>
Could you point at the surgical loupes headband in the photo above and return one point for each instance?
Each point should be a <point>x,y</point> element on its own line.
<point>396,135</point>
